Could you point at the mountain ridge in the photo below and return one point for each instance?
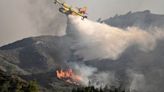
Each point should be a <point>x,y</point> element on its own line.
<point>141,19</point>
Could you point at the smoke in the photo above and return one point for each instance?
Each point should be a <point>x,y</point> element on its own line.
<point>137,81</point>
<point>91,76</point>
<point>25,18</point>
<point>100,41</point>
<point>135,55</point>
<point>84,71</point>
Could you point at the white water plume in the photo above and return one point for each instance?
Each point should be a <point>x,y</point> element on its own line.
<point>100,41</point>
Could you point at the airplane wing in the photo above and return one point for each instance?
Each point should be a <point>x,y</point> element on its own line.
<point>67,6</point>
<point>62,4</point>
<point>79,14</point>
<point>74,11</point>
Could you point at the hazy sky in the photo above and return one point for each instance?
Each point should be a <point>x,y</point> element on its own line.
<point>25,18</point>
<point>108,8</point>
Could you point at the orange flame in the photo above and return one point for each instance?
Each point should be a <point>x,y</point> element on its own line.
<point>69,76</point>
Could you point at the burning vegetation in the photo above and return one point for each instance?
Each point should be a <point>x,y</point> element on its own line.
<point>69,76</point>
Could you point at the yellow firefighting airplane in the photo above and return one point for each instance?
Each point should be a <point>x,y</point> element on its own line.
<point>68,10</point>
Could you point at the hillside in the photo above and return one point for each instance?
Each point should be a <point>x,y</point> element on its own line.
<point>34,55</point>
